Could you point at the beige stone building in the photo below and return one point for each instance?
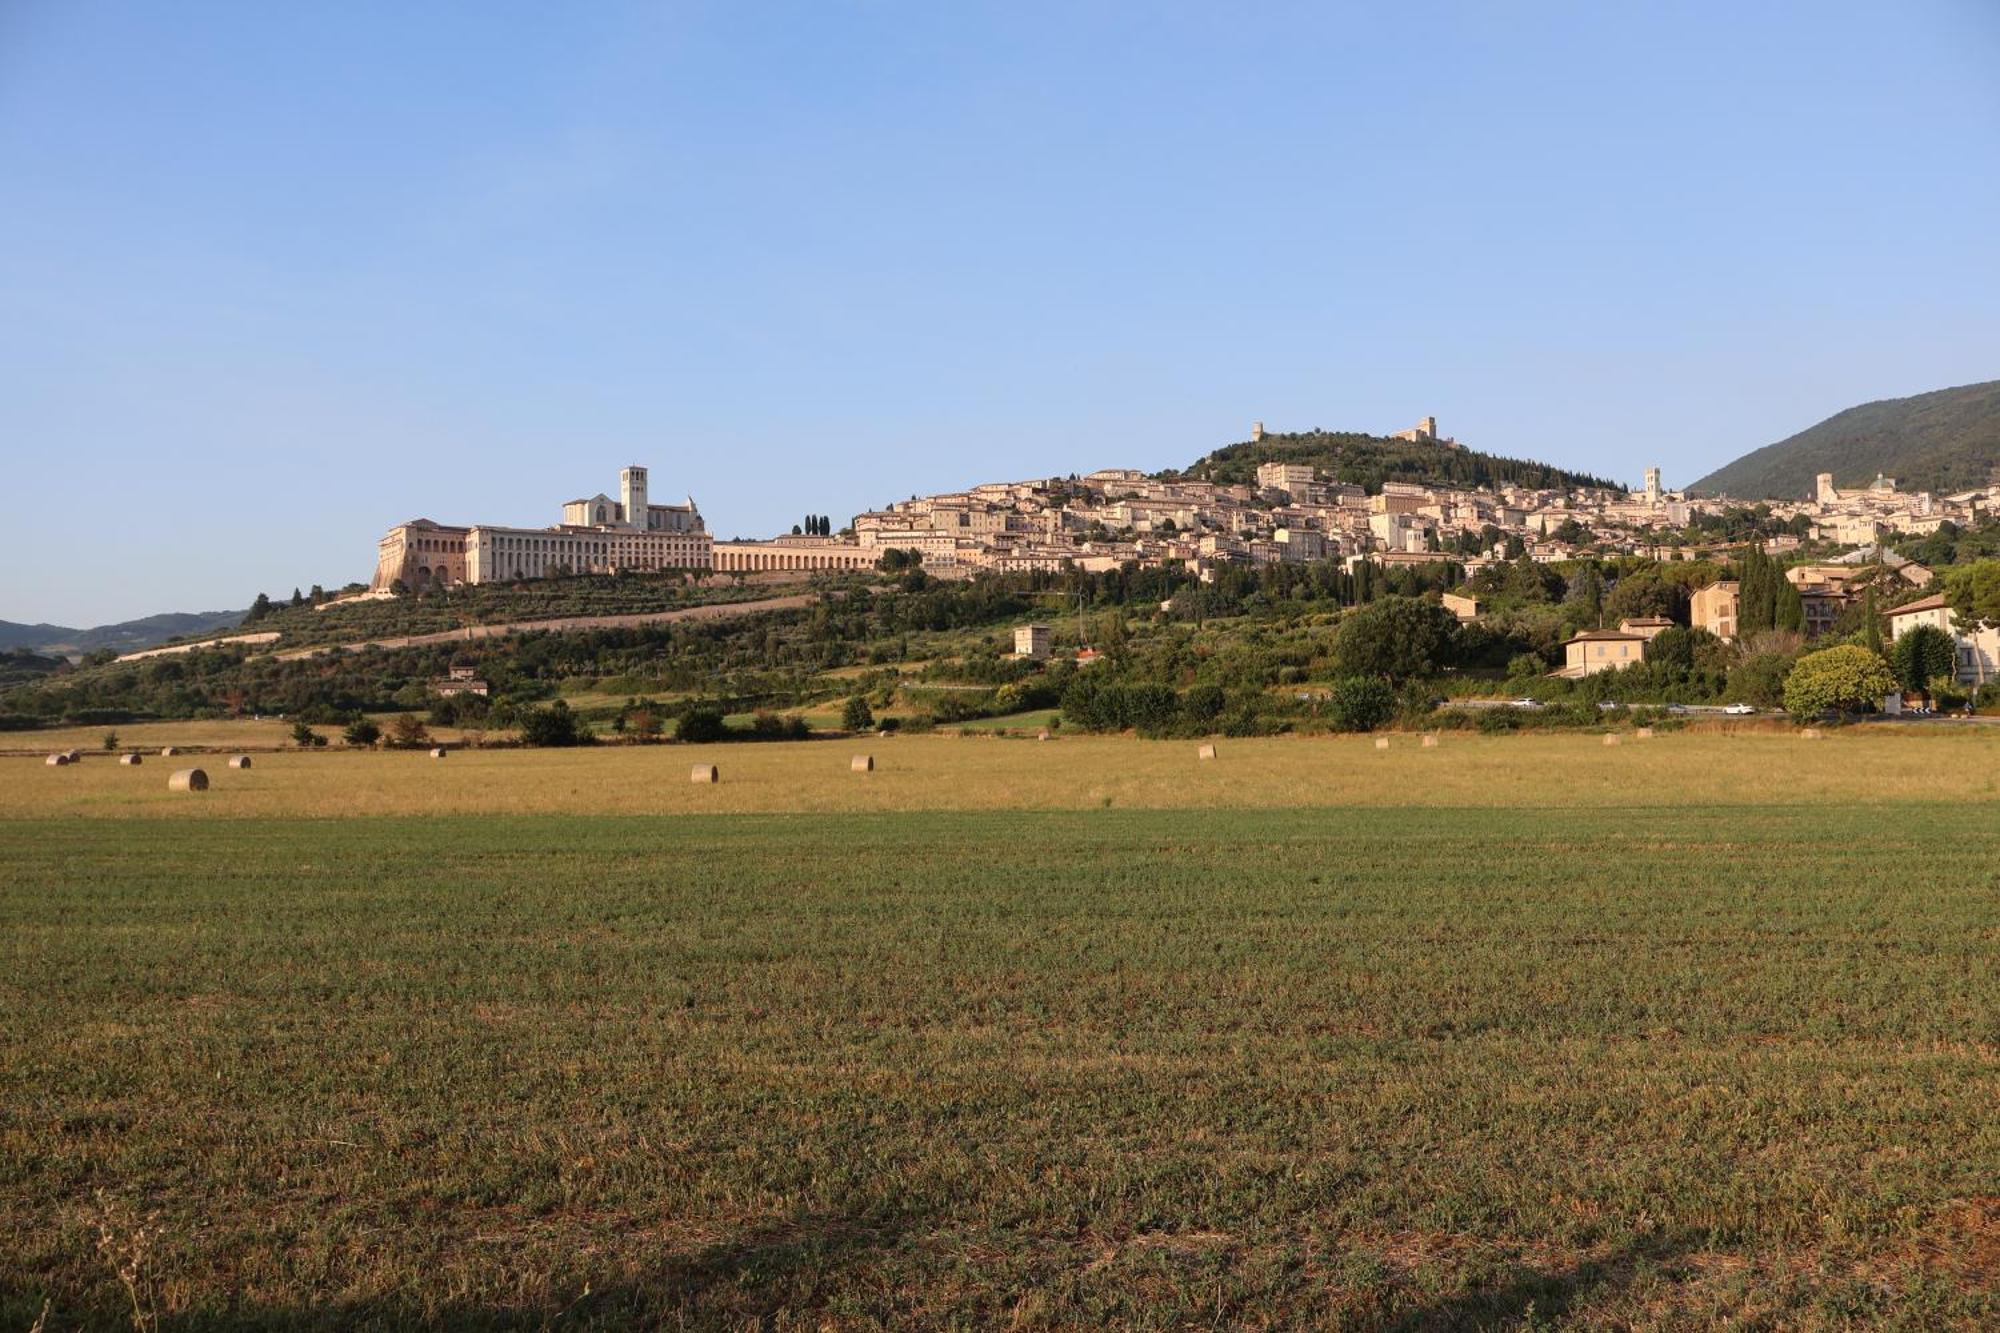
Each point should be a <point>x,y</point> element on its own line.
<point>1031,641</point>
<point>800,554</point>
<point>1598,650</point>
<point>598,535</point>
<point>1713,608</point>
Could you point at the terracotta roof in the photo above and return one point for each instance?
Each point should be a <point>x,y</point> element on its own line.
<point>1932,603</point>
<point>1611,634</point>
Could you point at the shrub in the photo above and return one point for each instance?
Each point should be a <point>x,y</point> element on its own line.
<point>857,715</point>
<point>1843,679</point>
<point>1202,704</point>
<point>1357,703</point>
<point>700,725</point>
<point>554,726</point>
<point>362,732</point>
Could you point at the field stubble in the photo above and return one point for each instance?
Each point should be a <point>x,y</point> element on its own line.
<point>1598,1047</point>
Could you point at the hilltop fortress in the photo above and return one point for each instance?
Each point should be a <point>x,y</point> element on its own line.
<point>1105,519</point>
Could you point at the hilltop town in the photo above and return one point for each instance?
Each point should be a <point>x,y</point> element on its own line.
<point>1290,513</point>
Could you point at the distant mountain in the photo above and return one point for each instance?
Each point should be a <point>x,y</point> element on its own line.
<point>1369,460</point>
<point>1948,440</point>
<point>126,636</point>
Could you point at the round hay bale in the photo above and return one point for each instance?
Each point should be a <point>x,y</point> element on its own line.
<point>169,751</point>
<point>862,763</point>
<point>1430,742</point>
<point>1644,733</point>
<point>437,752</point>
<point>75,756</point>
<point>188,779</point>
<point>1381,742</point>
<point>1042,735</point>
<point>1610,739</point>
<point>239,761</point>
<point>57,761</point>
<point>705,773</point>
<point>1205,752</point>
<point>1809,734</point>
<point>130,760</point>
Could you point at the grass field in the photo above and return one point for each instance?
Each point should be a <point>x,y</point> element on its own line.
<point>1517,1032</point>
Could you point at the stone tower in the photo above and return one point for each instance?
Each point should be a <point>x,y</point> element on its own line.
<point>1256,430</point>
<point>1652,485</point>
<point>632,495</point>
<point>1823,488</point>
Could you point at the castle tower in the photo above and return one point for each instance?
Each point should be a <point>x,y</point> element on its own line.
<point>1428,428</point>
<point>1652,485</point>
<point>1823,488</point>
<point>632,495</point>
<point>1256,430</point>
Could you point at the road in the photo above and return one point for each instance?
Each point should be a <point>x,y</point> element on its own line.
<point>1709,710</point>
<point>712,611</point>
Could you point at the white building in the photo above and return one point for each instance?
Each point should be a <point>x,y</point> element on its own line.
<point>1978,649</point>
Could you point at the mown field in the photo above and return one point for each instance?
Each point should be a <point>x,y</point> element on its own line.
<point>1518,1032</point>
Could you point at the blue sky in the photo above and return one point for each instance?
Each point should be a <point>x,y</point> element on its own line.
<point>278,276</point>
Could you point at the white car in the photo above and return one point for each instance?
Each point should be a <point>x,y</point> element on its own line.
<point>1524,703</point>
<point>1740,710</point>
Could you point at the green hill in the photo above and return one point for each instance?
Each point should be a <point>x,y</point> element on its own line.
<point>126,636</point>
<point>1370,460</point>
<point>1948,440</point>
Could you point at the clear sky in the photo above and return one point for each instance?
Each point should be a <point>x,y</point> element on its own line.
<point>277,276</point>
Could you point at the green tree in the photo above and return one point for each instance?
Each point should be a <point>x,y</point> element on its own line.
<point>1756,592</point>
<point>1759,680</point>
<point>700,725</point>
<point>1973,592</point>
<point>110,740</point>
<point>554,726</point>
<point>1844,679</point>
<point>1789,609</point>
<point>303,735</point>
<point>856,715</point>
<point>1395,639</point>
<point>407,732</point>
<point>1921,656</point>
<point>362,732</point>
<point>1360,703</point>
<point>1586,590</point>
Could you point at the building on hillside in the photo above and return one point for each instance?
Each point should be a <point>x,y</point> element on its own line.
<point>794,554</point>
<point>1978,648</point>
<point>1645,627</point>
<point>1286,477</point>
<point>1031,641</point>
<point>598,535</point>
<point>461,680</point>
<point>1713,608</point>
<point>1597,650</point>
<point>1467,609</point>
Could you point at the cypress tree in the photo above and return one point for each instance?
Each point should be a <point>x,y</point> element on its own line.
<point>1790,611</point>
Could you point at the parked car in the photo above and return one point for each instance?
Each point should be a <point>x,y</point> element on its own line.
<point>1524,703</point>
<point>1740,710</point>
<point>1677,708</point>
